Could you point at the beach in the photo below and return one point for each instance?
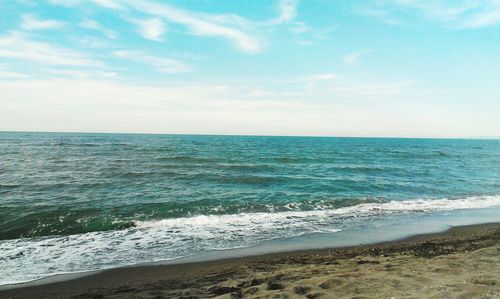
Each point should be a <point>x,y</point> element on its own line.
<point>459,263</point>
<point>88,202</point>
<point>170,216</point>
<point>249,149</point>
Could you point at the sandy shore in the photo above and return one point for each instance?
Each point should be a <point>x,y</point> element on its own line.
<point>463,262</point>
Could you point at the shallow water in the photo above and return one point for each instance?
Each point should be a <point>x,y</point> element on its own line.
<point>76,202</point>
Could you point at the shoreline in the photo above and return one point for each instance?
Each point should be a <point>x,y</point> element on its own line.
<point>398,228</point>
<point>241,276</point>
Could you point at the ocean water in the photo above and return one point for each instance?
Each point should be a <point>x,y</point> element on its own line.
<point>77,202</point>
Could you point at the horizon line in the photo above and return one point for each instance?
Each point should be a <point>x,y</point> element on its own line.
<point>257,135</point>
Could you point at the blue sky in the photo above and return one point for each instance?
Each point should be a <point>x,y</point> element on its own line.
<point>402,68</point>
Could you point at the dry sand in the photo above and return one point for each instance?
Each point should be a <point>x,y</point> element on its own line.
<point>463,262</point>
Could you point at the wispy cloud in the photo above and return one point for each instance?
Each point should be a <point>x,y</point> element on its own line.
<point>161,64</point>
<point>152,29</point>
<point>312,81</point>
<point>123,107</point>
<point>453,14</point>
<point>81,74</point>
<point>31,22</point>
<point>370,90</point>
<point>198,24</point>
<point>354,57</point>
<point>320,77</point>
<point>287,11</point>
<point>94,25</point>
<point>67,3</point>
<point>102,3</point>
<point>108,4</point>
<point>380,13</point>
<point>18,46</point>
<point>12,75</point>
<point>241,32</point>
<point>90,41</point>
<point>484,19</point>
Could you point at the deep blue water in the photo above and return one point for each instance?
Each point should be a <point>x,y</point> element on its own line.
<point>74,202</point>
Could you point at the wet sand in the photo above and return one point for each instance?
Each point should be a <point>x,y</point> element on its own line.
<point>463,262</point>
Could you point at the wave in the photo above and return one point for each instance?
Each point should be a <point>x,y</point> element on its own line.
<point>187,159</point>
<point>361,210</point>
<point>163,239</point>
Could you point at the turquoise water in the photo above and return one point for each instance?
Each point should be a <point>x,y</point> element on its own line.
<point>77,202</point>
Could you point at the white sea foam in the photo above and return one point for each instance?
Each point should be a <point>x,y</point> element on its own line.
<point>28,259</point>
<point>294,218</point>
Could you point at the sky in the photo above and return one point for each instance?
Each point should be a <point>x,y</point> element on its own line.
<point>388,68</point>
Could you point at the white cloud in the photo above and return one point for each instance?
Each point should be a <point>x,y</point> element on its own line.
<point>27,2</point>
<point>380,13</point>
<point>371,90</point>
<point>18,46</point>
<point>152,29</point>
<point>103,3</point>
<point>300,27</point>
<point>317,81</point>
<point>30,22</point>
<point>12,75</point>
<point>67,3</point>
<point>320,77</point>
<point>104,106</point>
<point>238,30</point>
<point>452,14</point>
<point>90,41</point>
<point>72,73</point>
<point>198,24</point>
<point>484,19</point>
<point>108,4</point>
<point>287,11</point>
<point>161,64</point>
<point>94,25</point>
<point>329,85</point>
<point>354,57</point>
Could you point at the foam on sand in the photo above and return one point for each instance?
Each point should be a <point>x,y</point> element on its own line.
<point>29,259</point>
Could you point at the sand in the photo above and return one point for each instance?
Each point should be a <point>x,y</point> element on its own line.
<point>463,262</point>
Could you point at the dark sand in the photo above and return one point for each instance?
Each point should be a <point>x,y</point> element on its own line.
<point>463,262</point>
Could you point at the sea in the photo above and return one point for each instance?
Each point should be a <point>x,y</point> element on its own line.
<point>76,202</point>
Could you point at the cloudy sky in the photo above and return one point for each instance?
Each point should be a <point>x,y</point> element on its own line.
<point>402,68</point>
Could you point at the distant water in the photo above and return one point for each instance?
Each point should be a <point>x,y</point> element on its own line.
<point>76,202</point>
